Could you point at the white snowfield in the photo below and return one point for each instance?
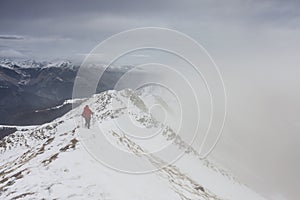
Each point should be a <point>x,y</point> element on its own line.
<point>52,162</point>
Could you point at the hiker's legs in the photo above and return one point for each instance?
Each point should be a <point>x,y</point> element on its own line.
<point>88,122</point>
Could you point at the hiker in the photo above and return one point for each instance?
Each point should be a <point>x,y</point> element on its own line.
<point>87,114</point>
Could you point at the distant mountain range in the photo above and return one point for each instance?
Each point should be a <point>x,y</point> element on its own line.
<point>28,86</point>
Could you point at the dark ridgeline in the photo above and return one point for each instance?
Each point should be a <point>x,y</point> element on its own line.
<point>27,94</point>
<point>5,131</point>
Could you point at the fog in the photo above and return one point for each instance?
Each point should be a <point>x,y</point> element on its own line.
<point>255,45</point>
<point>260,141</point>
<point>261,136</point>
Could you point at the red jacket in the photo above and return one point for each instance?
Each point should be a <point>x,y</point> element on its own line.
<point>87,112</point>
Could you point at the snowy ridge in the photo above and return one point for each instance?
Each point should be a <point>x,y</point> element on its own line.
<point>66,102</point>
<point>29,63</point>
<point>50,161</point>
<point>22,63</point>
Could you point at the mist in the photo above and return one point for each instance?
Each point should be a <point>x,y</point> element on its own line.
<point>255,45</point>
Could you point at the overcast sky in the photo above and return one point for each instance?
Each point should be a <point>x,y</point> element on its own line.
<point>256,44</point>
<point>65,29</point>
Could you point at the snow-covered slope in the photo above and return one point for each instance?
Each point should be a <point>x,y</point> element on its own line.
<point>52,162</point>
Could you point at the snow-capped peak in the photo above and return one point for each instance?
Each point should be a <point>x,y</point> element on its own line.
<point>30,63</point>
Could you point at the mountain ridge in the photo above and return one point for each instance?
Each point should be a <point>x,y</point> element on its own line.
<point>50,160</point>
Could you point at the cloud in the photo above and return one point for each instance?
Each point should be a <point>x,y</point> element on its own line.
<point>11,37</point>
<point>11,53</point>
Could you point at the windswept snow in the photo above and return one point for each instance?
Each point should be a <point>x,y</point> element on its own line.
<point>53,161</point>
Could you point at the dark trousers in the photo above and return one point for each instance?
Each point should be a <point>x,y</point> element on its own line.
<point>87,122</point>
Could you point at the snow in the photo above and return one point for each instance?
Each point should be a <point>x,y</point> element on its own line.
<point>66,102</point>
<point>29,63</point>
<point>60,160</point>
<point>17,127</point>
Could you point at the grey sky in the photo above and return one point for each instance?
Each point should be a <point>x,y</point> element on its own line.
<point>255,43</point>
<point>65,29</point>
